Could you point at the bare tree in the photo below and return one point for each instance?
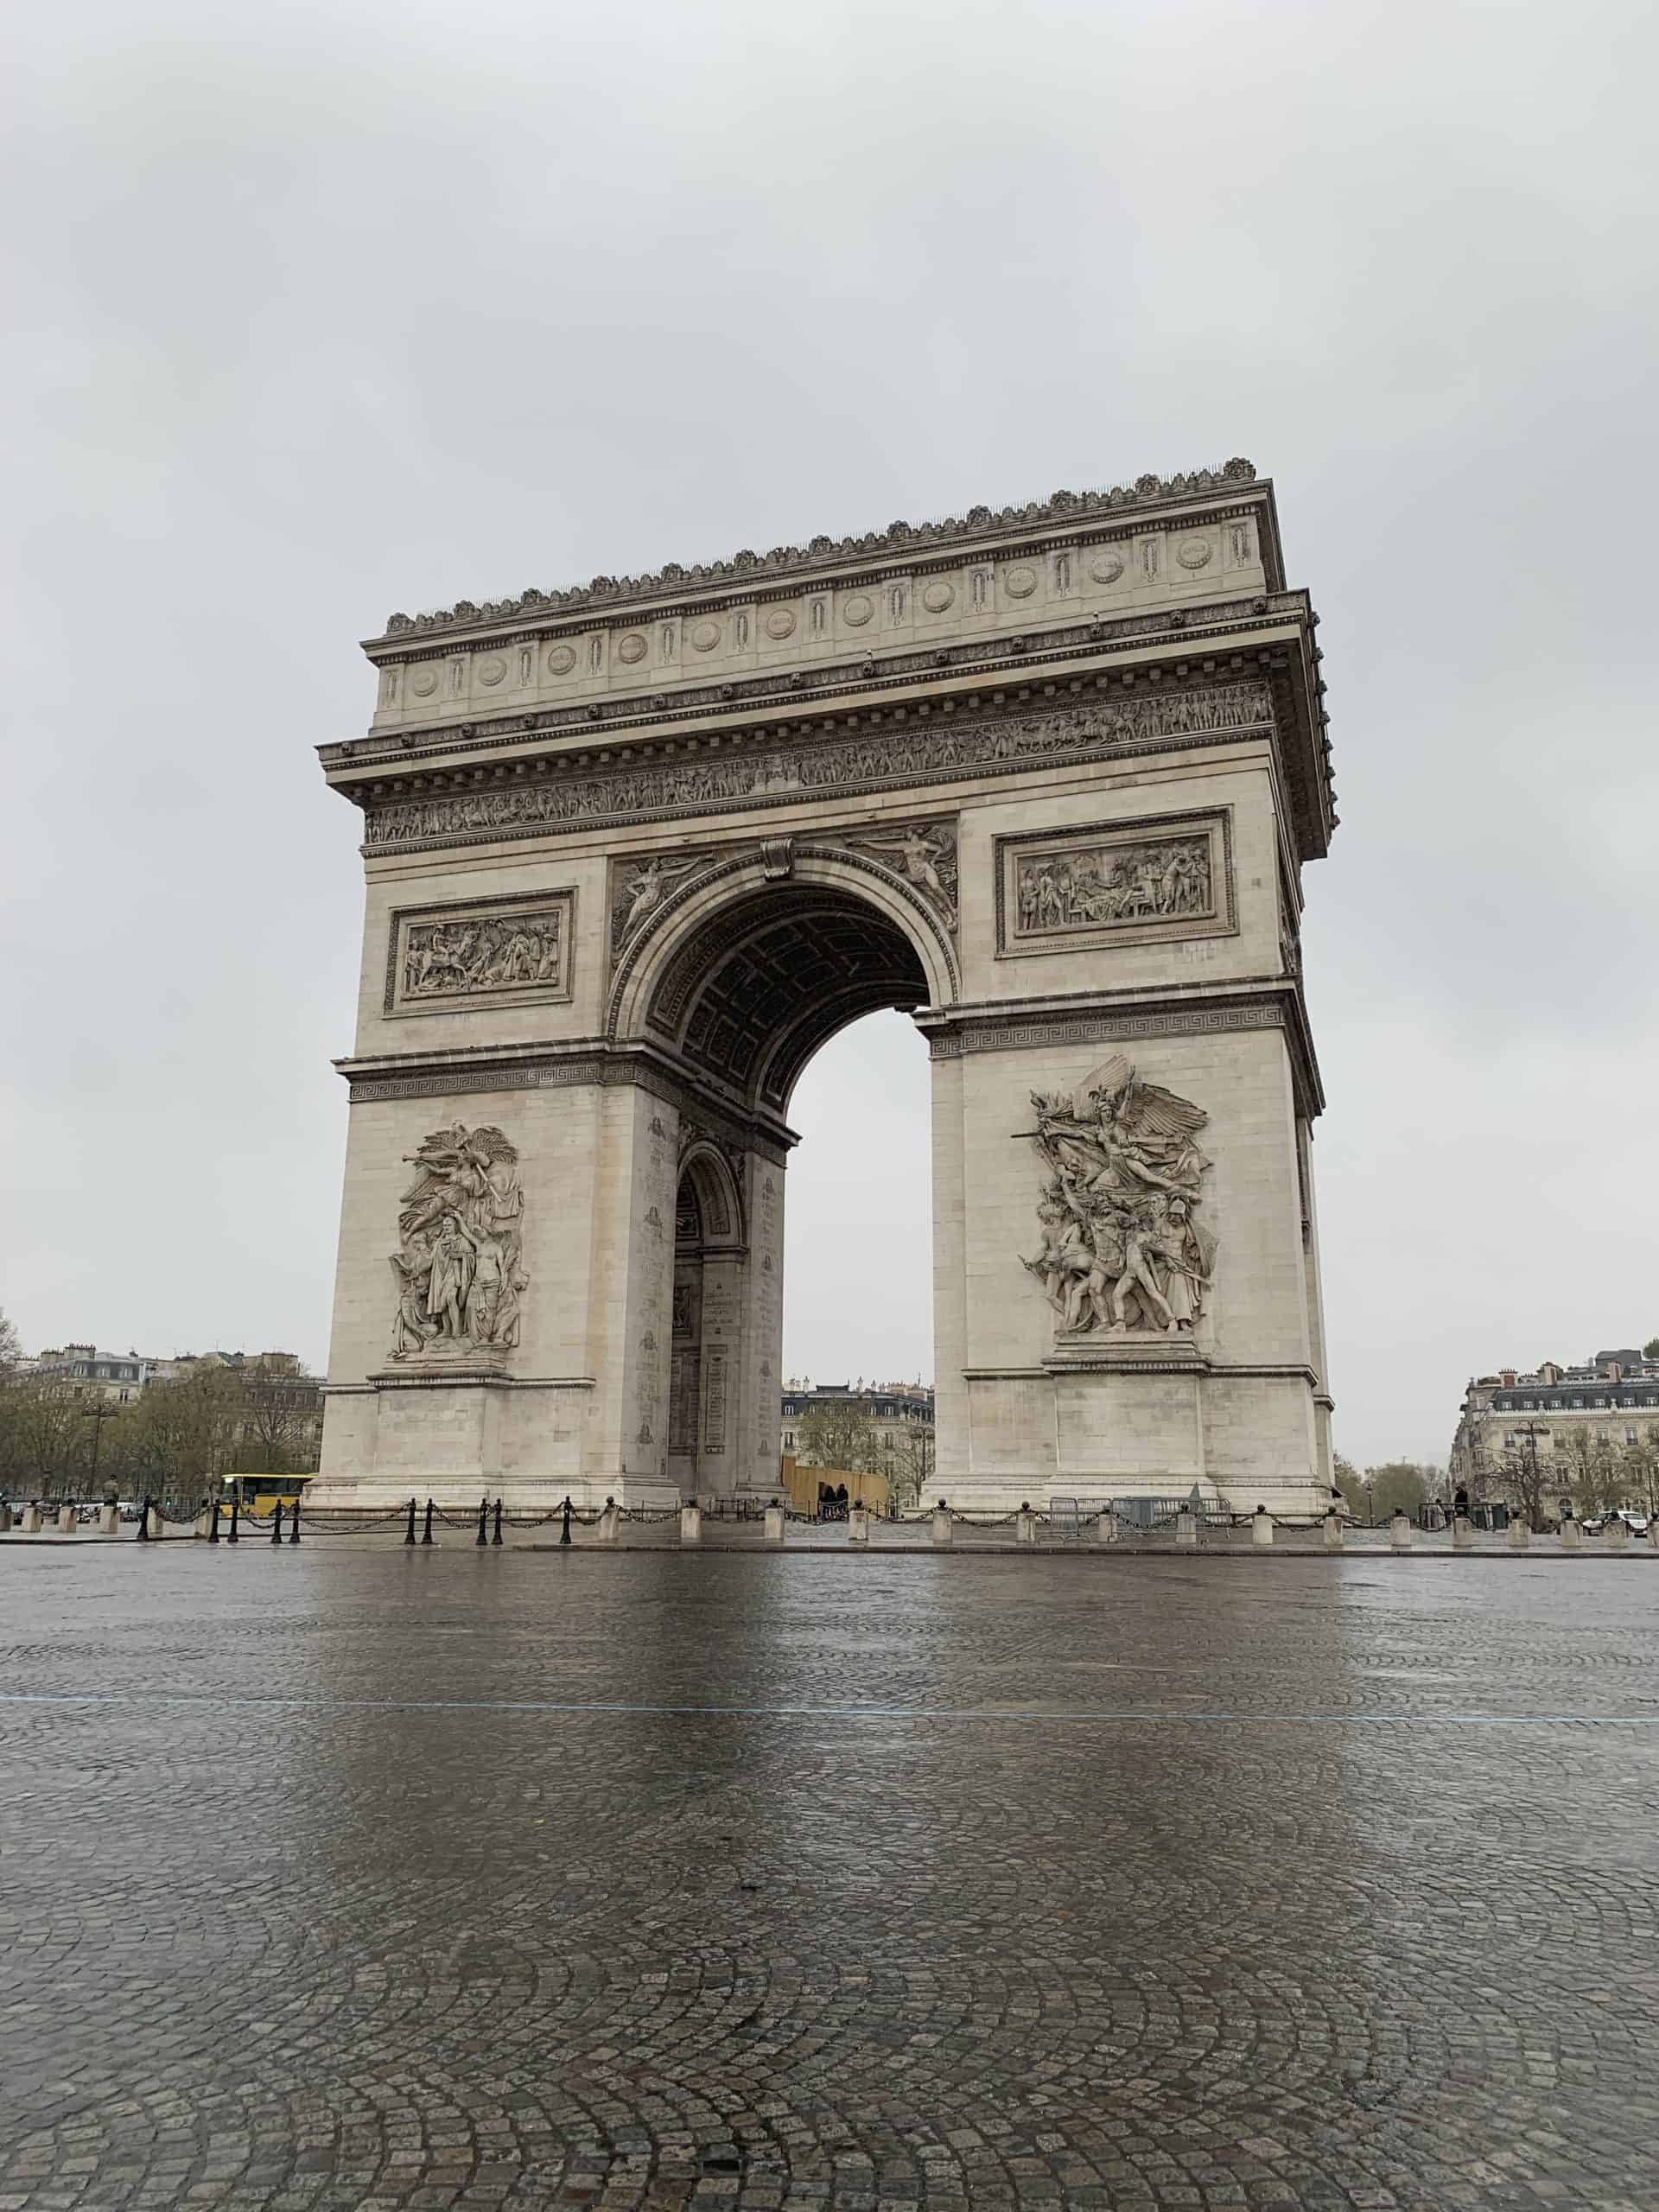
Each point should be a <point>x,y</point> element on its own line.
<point>1594,1474</point>
<point>42,1437</point>
<point>909,1464</point>
<point>1527,1482</point>
<point>279,1426</point>
<point>843,1436</point>
<point>181,1436</point>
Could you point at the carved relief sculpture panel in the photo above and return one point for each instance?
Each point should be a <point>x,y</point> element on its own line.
<point>641,888</point>
<point>1123,882</point>
<point>924,853</point>
<point>494,952</point>
<point>1124,1251</point>
<point>458,1265</point>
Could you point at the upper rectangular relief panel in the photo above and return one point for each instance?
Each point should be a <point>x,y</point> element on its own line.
<point>750,616</point>
<point>1130,882</point>
<point>463,956</point>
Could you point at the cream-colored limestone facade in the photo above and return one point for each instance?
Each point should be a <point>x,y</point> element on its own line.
<point>1047,779</point>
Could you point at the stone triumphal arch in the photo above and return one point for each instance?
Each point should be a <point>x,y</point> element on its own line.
<point>1046,779</point>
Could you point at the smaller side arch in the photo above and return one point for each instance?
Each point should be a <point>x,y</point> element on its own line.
<point>722,1222</point>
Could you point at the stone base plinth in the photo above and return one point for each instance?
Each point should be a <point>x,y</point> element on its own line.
<point>1138,1350</point>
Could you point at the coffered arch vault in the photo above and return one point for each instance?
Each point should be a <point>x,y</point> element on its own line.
<point>746,973</point>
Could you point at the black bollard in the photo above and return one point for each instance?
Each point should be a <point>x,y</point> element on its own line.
<point>276,1523</point>
<point>235,1514</point>
<point>408,1533</point>
<point>497,1537</point>
<point>427,1536</point>
<point>143,1520</point>
<point>293,1522</point>
<point>212,1533</point>
<point>564,1533</point>
<point>483,1520</point>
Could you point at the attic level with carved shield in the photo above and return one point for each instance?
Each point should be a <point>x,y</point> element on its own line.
<point>1045,777</point>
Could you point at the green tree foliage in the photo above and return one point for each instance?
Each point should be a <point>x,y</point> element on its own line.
<point>1350,1482</point>
<point>1651,1350</point>
<point>1399,1485</point>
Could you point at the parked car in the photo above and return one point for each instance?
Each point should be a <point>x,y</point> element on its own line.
<point>129,1507</point>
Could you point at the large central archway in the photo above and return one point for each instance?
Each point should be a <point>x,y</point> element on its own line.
<point>741,980</point>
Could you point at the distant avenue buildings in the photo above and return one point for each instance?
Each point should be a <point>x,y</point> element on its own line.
<point>899,1411</point>
<point>172,1424</point>
<point>1556,1429</point>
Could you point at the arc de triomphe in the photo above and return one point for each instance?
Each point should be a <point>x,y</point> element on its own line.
<point>1046,779</point>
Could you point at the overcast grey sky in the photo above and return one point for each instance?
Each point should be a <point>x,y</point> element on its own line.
<point>321,310</point>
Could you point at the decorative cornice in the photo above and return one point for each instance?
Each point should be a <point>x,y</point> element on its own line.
<point>626,715</point>
<point>1148,491</point>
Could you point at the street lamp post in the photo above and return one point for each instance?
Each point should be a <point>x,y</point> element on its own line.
<point>1530,1431</point>
<point>98,1415</point>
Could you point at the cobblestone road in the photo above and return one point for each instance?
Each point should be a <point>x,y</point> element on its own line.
<point>371,1878</point>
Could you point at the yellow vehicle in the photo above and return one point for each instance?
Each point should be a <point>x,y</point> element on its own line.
<point>263,1493</point>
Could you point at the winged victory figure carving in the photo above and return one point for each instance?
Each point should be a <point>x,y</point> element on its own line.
<point>1123,1248</point>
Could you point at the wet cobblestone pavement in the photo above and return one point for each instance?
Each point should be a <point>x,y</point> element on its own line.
<point>355,1877</point>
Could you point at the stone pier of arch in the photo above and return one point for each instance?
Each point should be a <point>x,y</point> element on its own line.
<point>1045,779</point>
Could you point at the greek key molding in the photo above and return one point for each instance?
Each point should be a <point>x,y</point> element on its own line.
<point>1272,1005</point>
<point>1014,1034</point>
<point>941,748</point>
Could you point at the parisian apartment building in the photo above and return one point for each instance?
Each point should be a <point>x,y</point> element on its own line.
<point>898,1409</point>
<point>1610,1403</point>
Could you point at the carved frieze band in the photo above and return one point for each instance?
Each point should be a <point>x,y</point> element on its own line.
<point>943,748</point>
<point>484,953</point>
<point>1121,882</point>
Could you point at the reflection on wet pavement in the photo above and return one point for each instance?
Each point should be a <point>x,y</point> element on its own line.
<point>356,1877</point>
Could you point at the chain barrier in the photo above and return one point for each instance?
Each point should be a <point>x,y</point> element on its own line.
<point>323,1523</point>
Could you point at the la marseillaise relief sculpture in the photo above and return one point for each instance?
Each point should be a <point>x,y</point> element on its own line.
<point>1046,779</point>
